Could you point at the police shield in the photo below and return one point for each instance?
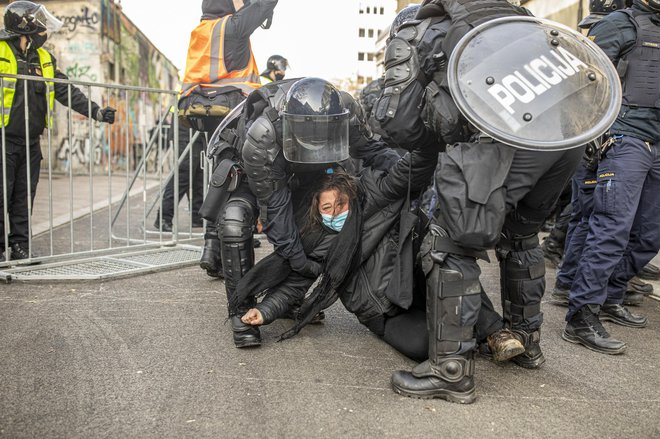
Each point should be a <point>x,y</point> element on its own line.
<point>534,84</point>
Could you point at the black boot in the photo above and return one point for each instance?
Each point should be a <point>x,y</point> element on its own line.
<point>649,272</point>
<point>620,315</point>
<point>533,357</point>
<point>552,251</point>
<point>632,298</point>
<point>210,260</point>
<point>450,379</point>
<point>585,328</point>
<point>636,285</point>
<point>245,335</point>
<point>559,296</point>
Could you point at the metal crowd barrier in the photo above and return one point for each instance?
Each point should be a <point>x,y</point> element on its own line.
<point>94,219</point>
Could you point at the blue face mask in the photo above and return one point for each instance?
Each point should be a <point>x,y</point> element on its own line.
<point>335,223</point>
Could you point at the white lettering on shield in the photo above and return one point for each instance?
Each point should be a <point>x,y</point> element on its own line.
<point>536,77</point>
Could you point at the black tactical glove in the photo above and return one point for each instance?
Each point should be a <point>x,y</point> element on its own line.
<point>311,269</point>
<point>106,115</point>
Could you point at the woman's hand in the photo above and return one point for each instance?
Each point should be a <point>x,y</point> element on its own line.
<point>253,317</point>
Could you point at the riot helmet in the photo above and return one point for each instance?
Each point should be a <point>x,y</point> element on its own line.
<point>600,8</point>
<point>213,9</point>
<point>406,14</point>
<point>277,62</point>
<point>28,18</point>
<point>314,123</point>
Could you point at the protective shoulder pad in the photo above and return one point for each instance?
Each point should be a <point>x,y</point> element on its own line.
<point>258,153</point>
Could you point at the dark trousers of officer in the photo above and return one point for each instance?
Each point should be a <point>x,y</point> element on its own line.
<point>16,161</point>
<point>583,183</point>
<point>533,185</point>
<point>624,228</point>
<point>235,229</point>
<point>185,181</point>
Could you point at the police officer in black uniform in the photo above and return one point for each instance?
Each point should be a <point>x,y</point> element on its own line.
<point>489,194</point>
<point>624,228</point>
<point>281,152</point>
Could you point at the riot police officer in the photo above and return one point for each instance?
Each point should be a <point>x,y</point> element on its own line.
<point>624,228</point>
<point>490,193</point>
<point>289,132</point>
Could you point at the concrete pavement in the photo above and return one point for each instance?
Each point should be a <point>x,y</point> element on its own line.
<point>152,357</point>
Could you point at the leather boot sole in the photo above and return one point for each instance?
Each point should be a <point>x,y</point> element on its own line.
<point>448,395</point>
<point>576,340</point>
<point>618,321</point>
<point>247,342</point>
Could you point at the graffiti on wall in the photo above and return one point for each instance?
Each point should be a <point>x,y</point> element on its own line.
<point>85,18</point>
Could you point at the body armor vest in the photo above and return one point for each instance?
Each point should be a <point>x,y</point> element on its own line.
<point>640,67</point>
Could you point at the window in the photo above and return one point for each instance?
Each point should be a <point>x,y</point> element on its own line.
<point>111,71</point>
<point>370,57</point>
<point>371,33</point>
<point>368,10</point>
<point>361,11</point>
<point>360,79</point>
<point>360,56</point>
<point>369,79</point>
<point>382,11</point>
<point>361,33</point>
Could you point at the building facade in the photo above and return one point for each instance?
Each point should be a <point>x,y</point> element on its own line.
<point>100,44</point>
<point>374,17</point>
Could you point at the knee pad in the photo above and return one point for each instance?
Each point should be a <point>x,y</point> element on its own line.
<point>236,250</point>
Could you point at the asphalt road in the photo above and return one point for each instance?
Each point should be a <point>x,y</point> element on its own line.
<point>152,357</point>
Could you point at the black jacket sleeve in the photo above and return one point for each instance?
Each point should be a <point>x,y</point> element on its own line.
<point>250,17</point>
<point>79,101</point>
<point>418,165</point>
<point>292,291</point>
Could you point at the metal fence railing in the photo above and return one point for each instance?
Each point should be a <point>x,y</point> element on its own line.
<point>99,184</point>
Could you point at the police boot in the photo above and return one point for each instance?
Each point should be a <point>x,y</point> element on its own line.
<point>559,296</point>
<point>533,357</point>
<point>619,314</point>
<point>210,260</point>
<point>452,308</point>
<point>631,298</point>
<point>245,335</point>
<point>636,285</point>
<point>649,272</point>
<point>585,328</point>
<point>552,251</point>
<point>522,283</point>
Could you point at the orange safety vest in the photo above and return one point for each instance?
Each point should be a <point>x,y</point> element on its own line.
<point>205,65</point>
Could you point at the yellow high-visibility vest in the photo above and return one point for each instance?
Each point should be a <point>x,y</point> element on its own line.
<point>9,65</point>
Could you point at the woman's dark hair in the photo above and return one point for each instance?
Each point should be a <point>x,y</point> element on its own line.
<point>340,181</point>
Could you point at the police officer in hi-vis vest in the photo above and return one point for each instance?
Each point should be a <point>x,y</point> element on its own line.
<point>27,25</point>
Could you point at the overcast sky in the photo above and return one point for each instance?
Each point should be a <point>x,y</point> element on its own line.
<point>312,34</point>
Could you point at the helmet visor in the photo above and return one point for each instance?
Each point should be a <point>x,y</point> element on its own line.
<point>46,20</point>
<point>315,139</point>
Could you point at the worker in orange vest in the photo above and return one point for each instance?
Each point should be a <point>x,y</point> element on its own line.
<point>220,72</point>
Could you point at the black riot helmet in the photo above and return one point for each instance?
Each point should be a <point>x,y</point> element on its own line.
<point>277,62</point>
<point>600,8</point>
<point>406,14</point>
<point>27,18</point>
<point>314,123</point>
